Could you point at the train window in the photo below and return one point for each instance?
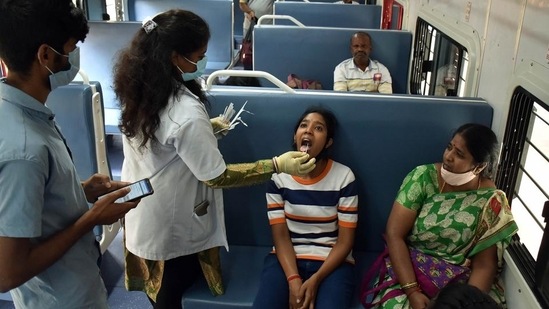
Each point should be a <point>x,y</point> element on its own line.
<point>115,10</point>
<point>439,65</point>
<point>100,9</point>
<point>522,174</point>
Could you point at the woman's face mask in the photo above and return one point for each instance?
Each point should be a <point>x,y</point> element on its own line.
<point>200,67</point>
<point>63,78</point>
<point>455,179</point>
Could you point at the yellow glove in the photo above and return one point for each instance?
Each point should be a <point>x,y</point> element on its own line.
<point>220,127</point>
<point>294,163</point>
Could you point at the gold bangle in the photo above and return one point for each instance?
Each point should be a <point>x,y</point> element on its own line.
<point>409,285</point>
<point>408,293</point>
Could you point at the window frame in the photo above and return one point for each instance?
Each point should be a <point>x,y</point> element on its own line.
<point>512,159</point>
<point>429,44</point>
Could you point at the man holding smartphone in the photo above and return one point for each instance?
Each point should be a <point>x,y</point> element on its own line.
<point>48,252</point>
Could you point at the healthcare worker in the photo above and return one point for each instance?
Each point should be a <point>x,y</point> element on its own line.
<point>168,137</point>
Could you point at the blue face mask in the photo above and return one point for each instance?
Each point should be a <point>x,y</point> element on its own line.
<point>63,78</point>
<point>200,66</point>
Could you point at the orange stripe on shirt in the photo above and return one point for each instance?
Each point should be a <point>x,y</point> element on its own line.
<point>350,225</point>
<point>275,205</point>
<point>326,219</point>
<point>347,208</point>
<point>277,221</point>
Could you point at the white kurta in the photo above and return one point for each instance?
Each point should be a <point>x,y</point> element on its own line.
<point>164,225</point>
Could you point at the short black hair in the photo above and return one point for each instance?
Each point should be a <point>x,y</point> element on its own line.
<point>463,296</point>
<point>27,24</point>
<point>361,33</point>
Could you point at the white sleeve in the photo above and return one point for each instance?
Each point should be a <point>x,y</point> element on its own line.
<point>340,81</point>
<point>386,75</point>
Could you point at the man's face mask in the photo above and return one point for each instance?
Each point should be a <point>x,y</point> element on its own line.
<point>200,66</point>
<point>63,78</point>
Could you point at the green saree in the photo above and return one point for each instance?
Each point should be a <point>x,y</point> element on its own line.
<point>452,226</point>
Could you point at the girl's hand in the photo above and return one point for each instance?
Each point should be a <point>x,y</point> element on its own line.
<point>308,290</point>
<point>295,297</point>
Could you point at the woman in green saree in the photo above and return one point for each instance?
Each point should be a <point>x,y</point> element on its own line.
<point>448,223</point>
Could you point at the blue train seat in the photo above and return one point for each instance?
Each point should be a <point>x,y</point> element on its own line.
<point>79,114</point>
<point>380,137</point>
<point>98,55</point>
<point>330,15</point>
<point>238,21</point>
<point>314,52</point>
<point>217,13</point>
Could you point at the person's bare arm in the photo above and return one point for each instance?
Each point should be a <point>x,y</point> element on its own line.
<point>337,256</point>
<point>20,259</point>
<point>484,269</point>
<point>287,258</point>
<point>400,223</point>
<point>250,14</point>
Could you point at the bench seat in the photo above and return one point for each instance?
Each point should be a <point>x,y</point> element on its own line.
<point>242,267</point>
<point>380,137</point>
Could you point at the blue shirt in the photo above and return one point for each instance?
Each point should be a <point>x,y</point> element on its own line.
<point>40,195</point>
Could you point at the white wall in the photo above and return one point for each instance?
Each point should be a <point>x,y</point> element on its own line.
<point>517,293</point>
<point>513,37</point>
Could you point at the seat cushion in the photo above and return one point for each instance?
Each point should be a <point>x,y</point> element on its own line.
<point>241,268</point>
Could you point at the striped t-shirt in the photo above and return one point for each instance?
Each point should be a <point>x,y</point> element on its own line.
<point>313,209</point>
<point>349,77</point>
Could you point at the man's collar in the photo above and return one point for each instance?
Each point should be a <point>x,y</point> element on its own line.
<point>368,67</point>
<point>18,97</point>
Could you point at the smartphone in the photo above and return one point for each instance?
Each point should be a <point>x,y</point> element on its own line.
<point>139,189</point>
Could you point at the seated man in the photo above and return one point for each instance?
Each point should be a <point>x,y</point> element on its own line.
<point>361,73</point>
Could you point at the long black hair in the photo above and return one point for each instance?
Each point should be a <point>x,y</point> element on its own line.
<point>144,76</point>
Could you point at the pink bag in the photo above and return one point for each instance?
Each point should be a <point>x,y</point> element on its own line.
<point>432,274</point>
<point>297,83</point>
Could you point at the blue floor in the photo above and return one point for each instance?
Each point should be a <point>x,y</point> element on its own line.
<point>112,266</point>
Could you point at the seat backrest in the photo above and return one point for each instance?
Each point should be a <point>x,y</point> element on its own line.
<point>314,52</point>
<point>79,113</point>
<point>380,137</point>
<point>73,109</point>
<point>217,13</point>
<point>320,14</point>
<point>238,19</point>
<point>98,55</point>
